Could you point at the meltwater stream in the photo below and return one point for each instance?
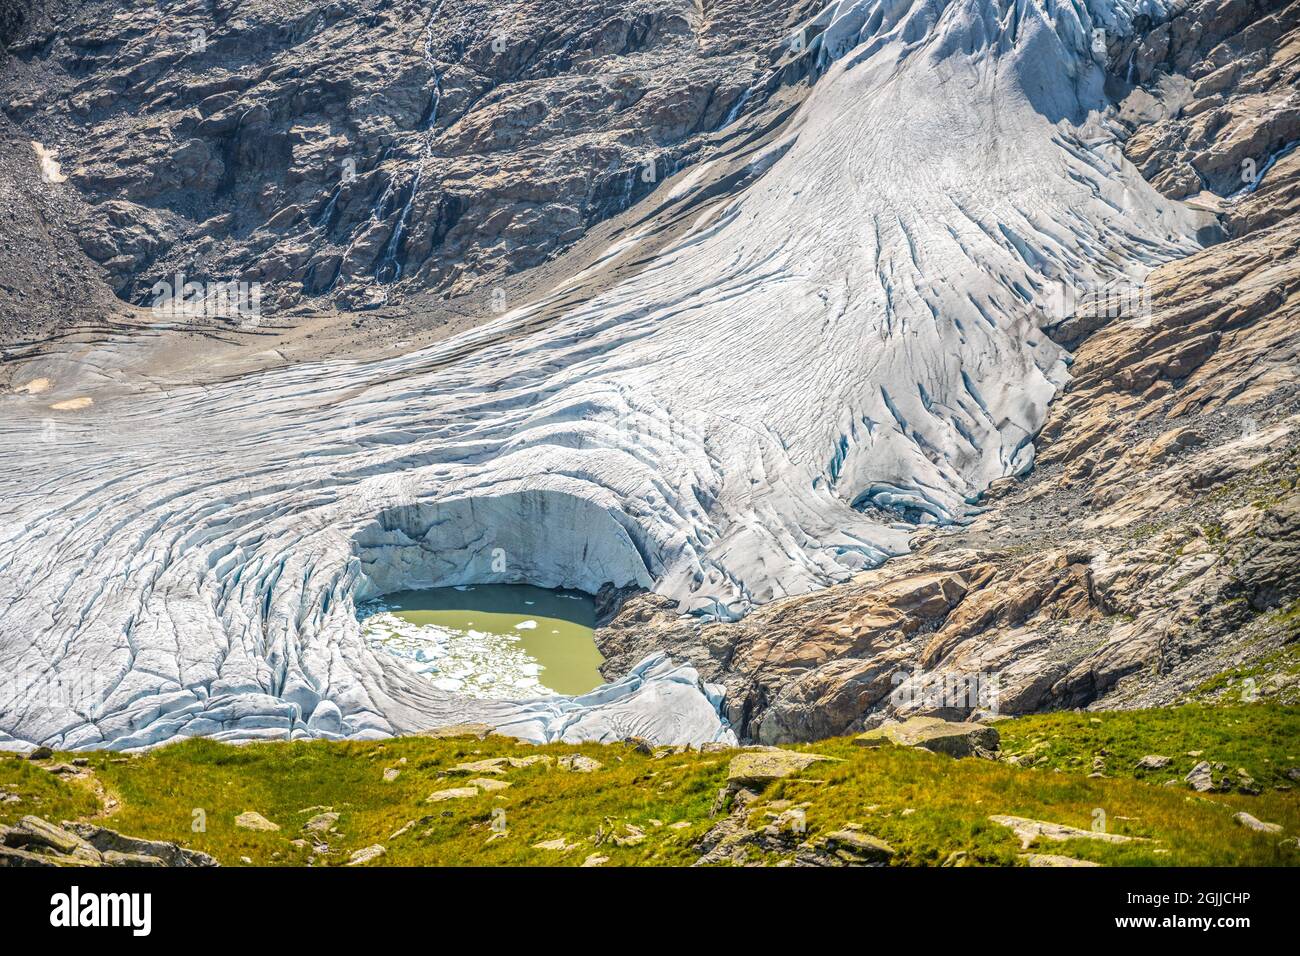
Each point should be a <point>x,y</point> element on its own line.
<point>493,642</point>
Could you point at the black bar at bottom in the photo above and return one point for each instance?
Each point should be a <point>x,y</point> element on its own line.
<point>205,906</point>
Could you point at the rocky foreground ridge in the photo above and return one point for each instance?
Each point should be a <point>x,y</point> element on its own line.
<point>37,842</point>
<point>1175,786</point>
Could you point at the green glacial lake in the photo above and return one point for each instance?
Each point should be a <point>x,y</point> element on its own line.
<point>494,641</point>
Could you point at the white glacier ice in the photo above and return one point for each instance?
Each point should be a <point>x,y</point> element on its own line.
<point>849,343</point>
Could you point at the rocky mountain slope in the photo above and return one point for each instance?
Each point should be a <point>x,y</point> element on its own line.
<point>362,150</point>
<point>46,281</point>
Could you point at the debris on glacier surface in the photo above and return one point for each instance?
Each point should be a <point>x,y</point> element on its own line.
<point>846,346</point>
<point>470,662</point>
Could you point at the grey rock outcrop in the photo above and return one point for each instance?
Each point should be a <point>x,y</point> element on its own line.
<point>36,842</point>
<point>1251,823</point>
<point>955,738</point>
<point>1031,831</point>
<point>110,842</point>
<point>759,767</point>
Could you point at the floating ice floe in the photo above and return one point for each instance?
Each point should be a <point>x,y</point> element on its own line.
<point>471,662</point>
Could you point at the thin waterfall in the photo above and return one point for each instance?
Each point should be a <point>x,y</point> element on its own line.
<point>389,269</point>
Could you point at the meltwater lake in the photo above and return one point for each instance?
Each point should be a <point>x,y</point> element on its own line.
<point>492,641</point>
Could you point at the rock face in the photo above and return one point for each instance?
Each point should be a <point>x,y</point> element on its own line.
<point>357,152</point>
<point>1223,77</point>
<point>46,282</point>
<point>771,379</point>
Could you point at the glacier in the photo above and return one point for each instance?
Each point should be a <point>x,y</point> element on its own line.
<point>845,346</point>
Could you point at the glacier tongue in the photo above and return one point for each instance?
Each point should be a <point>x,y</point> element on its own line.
<point>850,341</point>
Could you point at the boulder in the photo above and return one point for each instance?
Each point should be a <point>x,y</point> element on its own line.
<point>321,822</point>
<point>366,855</point>
<point>1030,830</point>
<point>9,856</point>
<point>1259,826</point>
<point>452,793</point>
<point>33,832</point>
<point>1154,762</point>
<point>578,763</point>
<point>490,765</point>
<point>632,835</point>
<point>496,765</point>
<point>251,820</point>
<point>861,846</point>
<point>1245,783</point>
<point>1201,779</point>
<point>558,845</point>
<point>955,738</point>
<point>759,767</point>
